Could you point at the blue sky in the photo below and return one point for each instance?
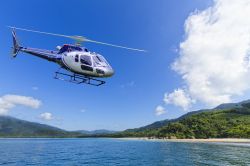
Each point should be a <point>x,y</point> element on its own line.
<point>130,97</point>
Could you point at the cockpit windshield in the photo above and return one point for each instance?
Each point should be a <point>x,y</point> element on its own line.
<point>99,61</point>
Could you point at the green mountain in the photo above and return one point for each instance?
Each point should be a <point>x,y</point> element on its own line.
<point>159,124</point>
<point>224,121</point>
<point>12,127</point>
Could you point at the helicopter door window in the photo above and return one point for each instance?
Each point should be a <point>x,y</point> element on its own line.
<point>86,60</point>
<point>77,58</point>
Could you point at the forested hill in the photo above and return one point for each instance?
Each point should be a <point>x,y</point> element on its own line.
<point>12,127</point>
<point>225,121</point>
<point>162,123</point>
<point>16,128</point>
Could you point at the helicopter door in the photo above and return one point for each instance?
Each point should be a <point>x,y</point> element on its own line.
<point>86,63</point>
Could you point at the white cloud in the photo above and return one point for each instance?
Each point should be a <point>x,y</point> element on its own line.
<point>178,98</point>
<point>160,110</point>
<point>10,101</point>
<point>214,57</point>
<point>46,116</point>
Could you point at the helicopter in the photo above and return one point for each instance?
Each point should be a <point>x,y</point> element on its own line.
<point>80,65</point>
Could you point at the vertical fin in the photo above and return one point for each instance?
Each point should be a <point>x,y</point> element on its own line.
<point>16,47</point>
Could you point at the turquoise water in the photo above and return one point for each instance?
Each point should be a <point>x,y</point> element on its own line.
<point>119,152</point>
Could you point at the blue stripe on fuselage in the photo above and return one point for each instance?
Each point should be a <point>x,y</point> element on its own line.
<point>45,54</point>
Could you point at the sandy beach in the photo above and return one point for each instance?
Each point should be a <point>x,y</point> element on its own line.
<point>219,140</point>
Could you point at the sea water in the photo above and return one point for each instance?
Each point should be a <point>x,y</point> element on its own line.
<point>98,151</point>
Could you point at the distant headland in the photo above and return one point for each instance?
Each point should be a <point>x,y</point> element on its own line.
<point>230,120</point>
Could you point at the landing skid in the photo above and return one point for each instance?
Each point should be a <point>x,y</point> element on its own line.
<point>78,79</point>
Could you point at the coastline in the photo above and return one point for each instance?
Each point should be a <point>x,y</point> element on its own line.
<point>212,140</point>
<point>209,140</point>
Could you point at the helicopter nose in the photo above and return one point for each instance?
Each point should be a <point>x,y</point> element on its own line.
<point>109,72</point>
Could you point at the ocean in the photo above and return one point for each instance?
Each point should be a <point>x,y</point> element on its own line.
<point>112,152</point>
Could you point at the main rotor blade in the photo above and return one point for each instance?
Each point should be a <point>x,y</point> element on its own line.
<point>78,39</point>
<point>113,45</point>
<point>47,33</point>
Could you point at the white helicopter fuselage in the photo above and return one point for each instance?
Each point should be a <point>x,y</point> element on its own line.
<point>87,63</point>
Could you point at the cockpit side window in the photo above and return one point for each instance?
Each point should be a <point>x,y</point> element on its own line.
<point>86,60</point>
<point>77,58</point>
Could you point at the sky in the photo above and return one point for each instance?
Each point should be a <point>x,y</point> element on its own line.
<point>197,58</point>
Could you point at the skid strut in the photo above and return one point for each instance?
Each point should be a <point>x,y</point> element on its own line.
<point>78,79</point>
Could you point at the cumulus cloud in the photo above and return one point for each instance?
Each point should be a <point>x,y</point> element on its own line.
<point>10,101</point>
<point>214,57</point>
<point>178,98</point>
<point>46,116</point>
<point>160,110</point>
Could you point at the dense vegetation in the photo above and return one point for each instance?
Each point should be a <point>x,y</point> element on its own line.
<point>225,121</point>
<point>232,123</point>
<point>12,127</point>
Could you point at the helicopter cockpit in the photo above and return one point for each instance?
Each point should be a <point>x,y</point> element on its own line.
<point>99,61</point>
<point>92,59</point>
<point>95,61</point>
<point>87,60</point>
